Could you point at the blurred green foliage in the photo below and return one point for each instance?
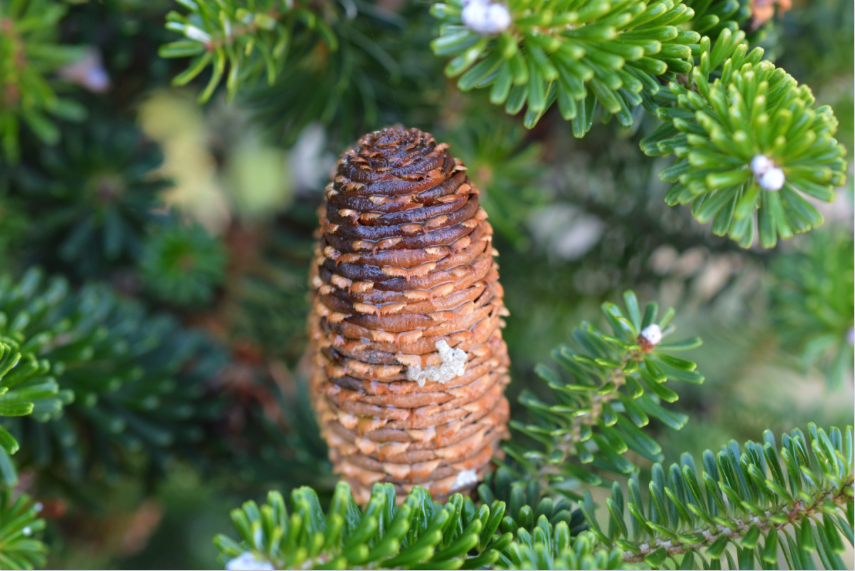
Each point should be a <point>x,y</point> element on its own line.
<point>812,309</point>
<point>93,195</point>
<point>178,248</point>
<point>29,53</point>
<point>182,264</point>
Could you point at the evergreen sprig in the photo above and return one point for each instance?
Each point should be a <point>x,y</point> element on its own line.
<point>713,16</point>
<point>580,53</point>
<point>25,389</point>
<point>743,504</point>
<point>553,547</point>
<point>527,503</point>
<point>20,547</point>
<point>30,96</point>
<point>250,39</point>
<point>137,379</point>
<point>752,499</point>
<point>750,146</point>
<point>617,381</point>
<point>418,533</point>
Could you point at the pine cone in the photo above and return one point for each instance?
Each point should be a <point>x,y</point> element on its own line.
<point>408,362</point>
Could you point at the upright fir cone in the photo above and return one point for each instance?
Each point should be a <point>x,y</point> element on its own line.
<point>408,362</point>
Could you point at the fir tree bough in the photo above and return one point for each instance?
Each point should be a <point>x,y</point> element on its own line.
<point>418,533</point>
<point>25,389</point>
<point>20,547</point>
<point>578,53</point>
<point>251,40</point>
<point>733,510</point>
<point>182,264</point>
<point>812,302</point>
<point>750,146</point>
<point>94,194</point>
<point>798,494</point>
<point>617,382</point>
<point>29,52</point>
<point>136,380</point>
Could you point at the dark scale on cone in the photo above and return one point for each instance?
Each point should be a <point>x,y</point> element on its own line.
<point>409,365</point>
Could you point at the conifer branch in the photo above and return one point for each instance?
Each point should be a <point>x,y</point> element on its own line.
<point>617,383</point>
<point>757,491</point>
<point>751,493</point>
<point>25,389</point>
<point>750,145</point>
<point>250,42</point>
<point>818,274</point>
<point>20,527</point>
<point>29,54</point>
<point>793,515</point>
<point>583,55</point>
<point>132,377</point>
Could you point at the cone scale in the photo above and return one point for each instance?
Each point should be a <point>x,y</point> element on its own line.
<point>408,362</point>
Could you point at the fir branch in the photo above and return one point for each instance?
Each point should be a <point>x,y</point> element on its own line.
<point>25,389</point>
<point>251,42</point>
<point>20,547</point>
<point>182,264</point>
<point>29,54</point>
<point>137,379</point>
<point>527,503</point>
<point>94,196</point>
<point>618,381</point>
<point>378,74</point>
<point>583,55</point>
<point>757,491</point>
<point>713,16</point>
<point>739,529</point>
<point>419,532</point>
<point>553,547</point>
<point>750,146</point>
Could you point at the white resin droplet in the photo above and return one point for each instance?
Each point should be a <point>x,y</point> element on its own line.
<point>761,164</point>
<point>652,334</point>
<point>453,365</point>
<point>773,179</point>
<point>246,562</point>
<point>767,174</point>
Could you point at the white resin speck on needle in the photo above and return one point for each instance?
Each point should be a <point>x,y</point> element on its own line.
<point>247,561</point>
<point>652,334</point>
<point>767,174</point>
<point>485,18</point>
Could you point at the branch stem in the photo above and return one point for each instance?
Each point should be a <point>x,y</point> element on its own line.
<point>794,513</point>
<point>569,441</point>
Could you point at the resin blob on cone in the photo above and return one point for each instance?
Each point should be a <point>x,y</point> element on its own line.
<point>408,362</point>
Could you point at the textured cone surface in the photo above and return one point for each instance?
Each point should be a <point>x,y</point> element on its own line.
<point>408,362</point>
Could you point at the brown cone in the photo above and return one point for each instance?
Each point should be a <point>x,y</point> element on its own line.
<point>404,262</point>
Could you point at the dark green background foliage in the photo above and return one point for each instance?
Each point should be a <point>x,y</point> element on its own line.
<point>161,166</point>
